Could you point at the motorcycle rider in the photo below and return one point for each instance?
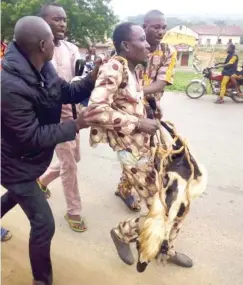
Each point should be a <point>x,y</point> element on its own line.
<point>229,68</point>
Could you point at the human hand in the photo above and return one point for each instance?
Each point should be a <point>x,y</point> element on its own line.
<point>155,106</point>
<point>100,60</point>
<point>76,78</point>
<point>148,126</point>
<point>80,121</point>
<point>87,116</point>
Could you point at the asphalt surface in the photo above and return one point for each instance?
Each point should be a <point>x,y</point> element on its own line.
<point>212,234</point>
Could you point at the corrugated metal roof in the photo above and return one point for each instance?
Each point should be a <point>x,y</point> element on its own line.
<point>215,30</point>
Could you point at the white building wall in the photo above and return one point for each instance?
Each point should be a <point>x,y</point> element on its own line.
<point>184,30</point>
<point>205,39</point>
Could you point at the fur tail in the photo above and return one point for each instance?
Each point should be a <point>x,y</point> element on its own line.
<point>152,232</point>
<point>199,185</point>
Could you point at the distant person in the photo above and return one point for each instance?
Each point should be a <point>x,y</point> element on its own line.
<point>64,60</point>
<point>31,103</point>
<point>92,52</point>
<point>229,68</point>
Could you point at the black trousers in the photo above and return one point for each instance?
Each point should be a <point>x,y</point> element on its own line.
<point>33,202</point>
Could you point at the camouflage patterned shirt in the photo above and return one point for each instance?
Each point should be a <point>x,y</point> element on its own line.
<point>120,98</point>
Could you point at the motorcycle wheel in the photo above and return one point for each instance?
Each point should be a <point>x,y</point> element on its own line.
<point>195,90</point>
<point>236,98</point>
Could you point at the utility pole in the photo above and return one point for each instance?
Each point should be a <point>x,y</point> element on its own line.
<point>221,25</point>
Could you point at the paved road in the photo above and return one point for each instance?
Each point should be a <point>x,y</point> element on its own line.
<point>212,234</point>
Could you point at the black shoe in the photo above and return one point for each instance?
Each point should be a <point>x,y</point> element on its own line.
<point>182,260</point>
<point>123,249</point>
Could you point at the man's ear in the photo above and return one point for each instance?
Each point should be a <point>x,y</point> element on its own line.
<point>124,45</point>
<point>42,45</point>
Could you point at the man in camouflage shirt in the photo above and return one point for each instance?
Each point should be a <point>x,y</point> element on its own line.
<point>157,74</point>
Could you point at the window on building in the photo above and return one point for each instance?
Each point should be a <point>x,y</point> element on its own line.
<point>219,41</point>
<point>180,28</point>
<point>208,41</point>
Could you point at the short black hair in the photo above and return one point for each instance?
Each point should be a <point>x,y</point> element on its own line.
<point>122,33</point>
<point>151,14</point>
<point>44,9</point>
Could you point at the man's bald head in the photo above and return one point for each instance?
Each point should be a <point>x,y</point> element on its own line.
<point>33,35</point>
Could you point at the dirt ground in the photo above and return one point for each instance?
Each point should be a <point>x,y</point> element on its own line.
<point>212,234</point>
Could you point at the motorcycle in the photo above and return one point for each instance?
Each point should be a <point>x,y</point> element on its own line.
<point>197,87</point>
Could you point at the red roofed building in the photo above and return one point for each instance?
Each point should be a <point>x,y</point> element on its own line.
<point>208,34</point>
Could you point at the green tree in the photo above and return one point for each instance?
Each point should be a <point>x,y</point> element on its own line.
<point>87,19</point>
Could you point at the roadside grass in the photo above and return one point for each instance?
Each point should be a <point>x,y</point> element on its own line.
<point>182,79</point>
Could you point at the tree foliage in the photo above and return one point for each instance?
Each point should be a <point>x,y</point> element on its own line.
<point>87,19</point>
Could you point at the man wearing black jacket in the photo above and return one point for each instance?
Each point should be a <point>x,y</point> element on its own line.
<point>32,98</point>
